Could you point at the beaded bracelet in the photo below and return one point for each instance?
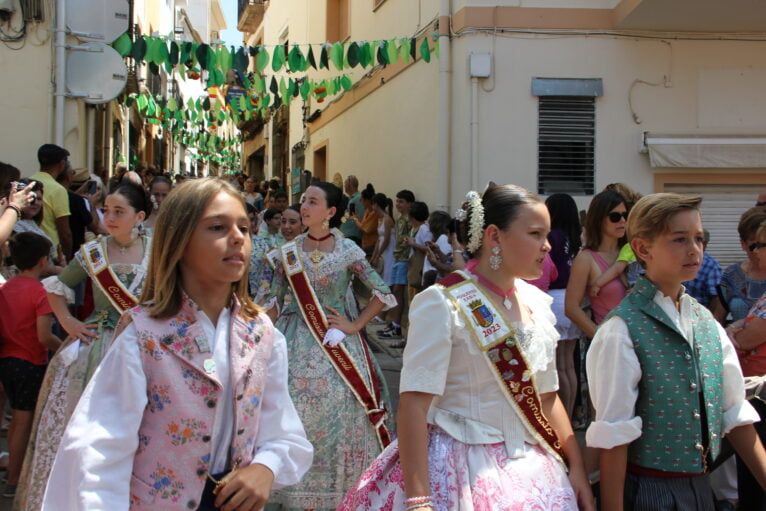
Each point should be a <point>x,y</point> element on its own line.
<point>417,500</point>
<point>17,210</point>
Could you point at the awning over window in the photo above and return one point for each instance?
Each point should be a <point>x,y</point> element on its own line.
<point>706,150</point>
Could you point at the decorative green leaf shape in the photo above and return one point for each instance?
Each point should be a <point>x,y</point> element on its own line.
<point>413,48</point>
<point>404,50</point>
<point>365,54</point>
<point>174,53</point>
<point>139,49</point>
<point>296,60</point>
<point>382,53</point>
<point>393,52</point>
<point>241,60</point>
<point>323,58</point>
<point>201,53</point>
<point>353,55</point>
<point>123,45</point>
<point>273,86</point>
<point>206,104</point>
<point>305,89</point>
<point>278,59</point>
<point>312,61</point>
<point>425,50</point>
<point>262,60</point>
<point>346,83</point>
<point>172,105</point>
<point>336,56</point>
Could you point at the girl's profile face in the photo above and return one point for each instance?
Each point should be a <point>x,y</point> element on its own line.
<point>219,247</point>
<point>524,243</point>
<point>314,208</point>
<point>119,216</point>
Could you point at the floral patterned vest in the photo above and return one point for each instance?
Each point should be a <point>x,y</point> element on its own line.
<point>673,374</point>
<point>174,439</point>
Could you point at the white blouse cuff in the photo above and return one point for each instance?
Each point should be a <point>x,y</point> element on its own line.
<point>388,299</point>
<point>606,435</point>
<point>54,286</point>
<point>269,460</point>
<point>740,414</point>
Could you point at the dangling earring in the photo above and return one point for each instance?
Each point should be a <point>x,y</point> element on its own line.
<point>326,223</point>
<point>154,202</point>
<point>495,259</point>
<point>136,230</point>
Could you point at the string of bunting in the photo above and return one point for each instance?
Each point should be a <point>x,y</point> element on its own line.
<point>194,122</point>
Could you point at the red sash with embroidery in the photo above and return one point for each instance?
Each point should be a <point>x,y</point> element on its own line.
<point>317,322</point>
<point>496,339</point>
<point>98,268</point>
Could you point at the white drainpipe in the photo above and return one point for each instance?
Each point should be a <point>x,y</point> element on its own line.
<point>60,77</point>
<point>445,108</point>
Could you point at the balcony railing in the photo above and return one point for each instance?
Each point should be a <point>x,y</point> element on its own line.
<point>250,14</point>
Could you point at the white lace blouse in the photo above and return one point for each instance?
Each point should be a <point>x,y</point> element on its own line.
<point>442,359</point>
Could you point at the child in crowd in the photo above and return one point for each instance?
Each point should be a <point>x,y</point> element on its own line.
<point>438,224</point>
<point>269,231</point>
<point>198,373</point>
<point>25,338</point>
<point>404,200</point>
<point>664,376</point>
<point>419,235</point>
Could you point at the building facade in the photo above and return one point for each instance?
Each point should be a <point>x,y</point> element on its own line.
<point>553,95</point>
<point>101,135</point>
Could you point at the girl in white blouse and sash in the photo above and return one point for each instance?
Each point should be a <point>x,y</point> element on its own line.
<point>480,424</point>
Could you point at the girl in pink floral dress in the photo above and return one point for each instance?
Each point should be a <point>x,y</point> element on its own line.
<point>480,426</point>
<point>190,408</point>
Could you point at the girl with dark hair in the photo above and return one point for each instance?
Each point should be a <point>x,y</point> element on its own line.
<point>333,380</point>
<point>604,235</point>
<point>116,265</point>
<point>383,256</point>
<point>565,240</point>
<point>480,425</point>
<point>438,224</point>
<point>159,188</point>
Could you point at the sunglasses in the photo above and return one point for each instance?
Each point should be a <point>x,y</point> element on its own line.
<point>615,217</point>
<point>760,203</point>
<point>755,246</point>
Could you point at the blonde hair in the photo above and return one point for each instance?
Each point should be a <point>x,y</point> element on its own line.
<point>651,215</point>
<point>760,234</point>
<point>179,216</point>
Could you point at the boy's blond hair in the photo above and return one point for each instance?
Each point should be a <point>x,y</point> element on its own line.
<point>178,217</point>
<point>651,215</point>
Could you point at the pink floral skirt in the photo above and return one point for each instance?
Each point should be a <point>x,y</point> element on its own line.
<point>468,477</point>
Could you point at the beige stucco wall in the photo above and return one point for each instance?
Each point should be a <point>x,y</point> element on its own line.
<point>712,86</point>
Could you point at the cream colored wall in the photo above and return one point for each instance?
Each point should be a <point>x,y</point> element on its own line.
<point>710,88</point>
<point>26,103</point>
<point>389,138</point>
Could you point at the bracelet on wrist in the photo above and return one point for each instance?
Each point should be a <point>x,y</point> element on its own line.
<point>413,507</point>
<point>16,209</point>
<point>417,500</point>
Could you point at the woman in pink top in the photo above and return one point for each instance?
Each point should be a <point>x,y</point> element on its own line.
<point>605,234</point>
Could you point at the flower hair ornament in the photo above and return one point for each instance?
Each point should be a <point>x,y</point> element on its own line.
<point>476,226</point>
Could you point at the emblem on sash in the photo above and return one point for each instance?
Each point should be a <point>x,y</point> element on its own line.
<point>481,313</point>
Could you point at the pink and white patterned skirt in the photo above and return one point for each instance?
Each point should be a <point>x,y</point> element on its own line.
<point>467,477</point>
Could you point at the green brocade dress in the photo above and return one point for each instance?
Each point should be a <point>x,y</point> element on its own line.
<point>336,424</point>
<point>69,371</point>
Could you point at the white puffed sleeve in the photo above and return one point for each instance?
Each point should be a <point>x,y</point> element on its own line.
<point>429,343</point>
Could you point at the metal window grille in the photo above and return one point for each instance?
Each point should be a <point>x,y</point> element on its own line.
<point>566,145</point>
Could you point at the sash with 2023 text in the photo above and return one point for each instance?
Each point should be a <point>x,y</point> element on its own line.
<point>103,276</point>
<point>497,341</point>
<point>342,362</point>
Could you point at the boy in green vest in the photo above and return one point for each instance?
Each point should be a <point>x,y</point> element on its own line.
<point>664,377</point>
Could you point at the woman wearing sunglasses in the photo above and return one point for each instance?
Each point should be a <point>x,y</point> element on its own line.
<point>604,236</point>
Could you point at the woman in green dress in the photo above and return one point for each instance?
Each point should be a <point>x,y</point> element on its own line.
<point>331,408</point>
<point>116,265</point>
